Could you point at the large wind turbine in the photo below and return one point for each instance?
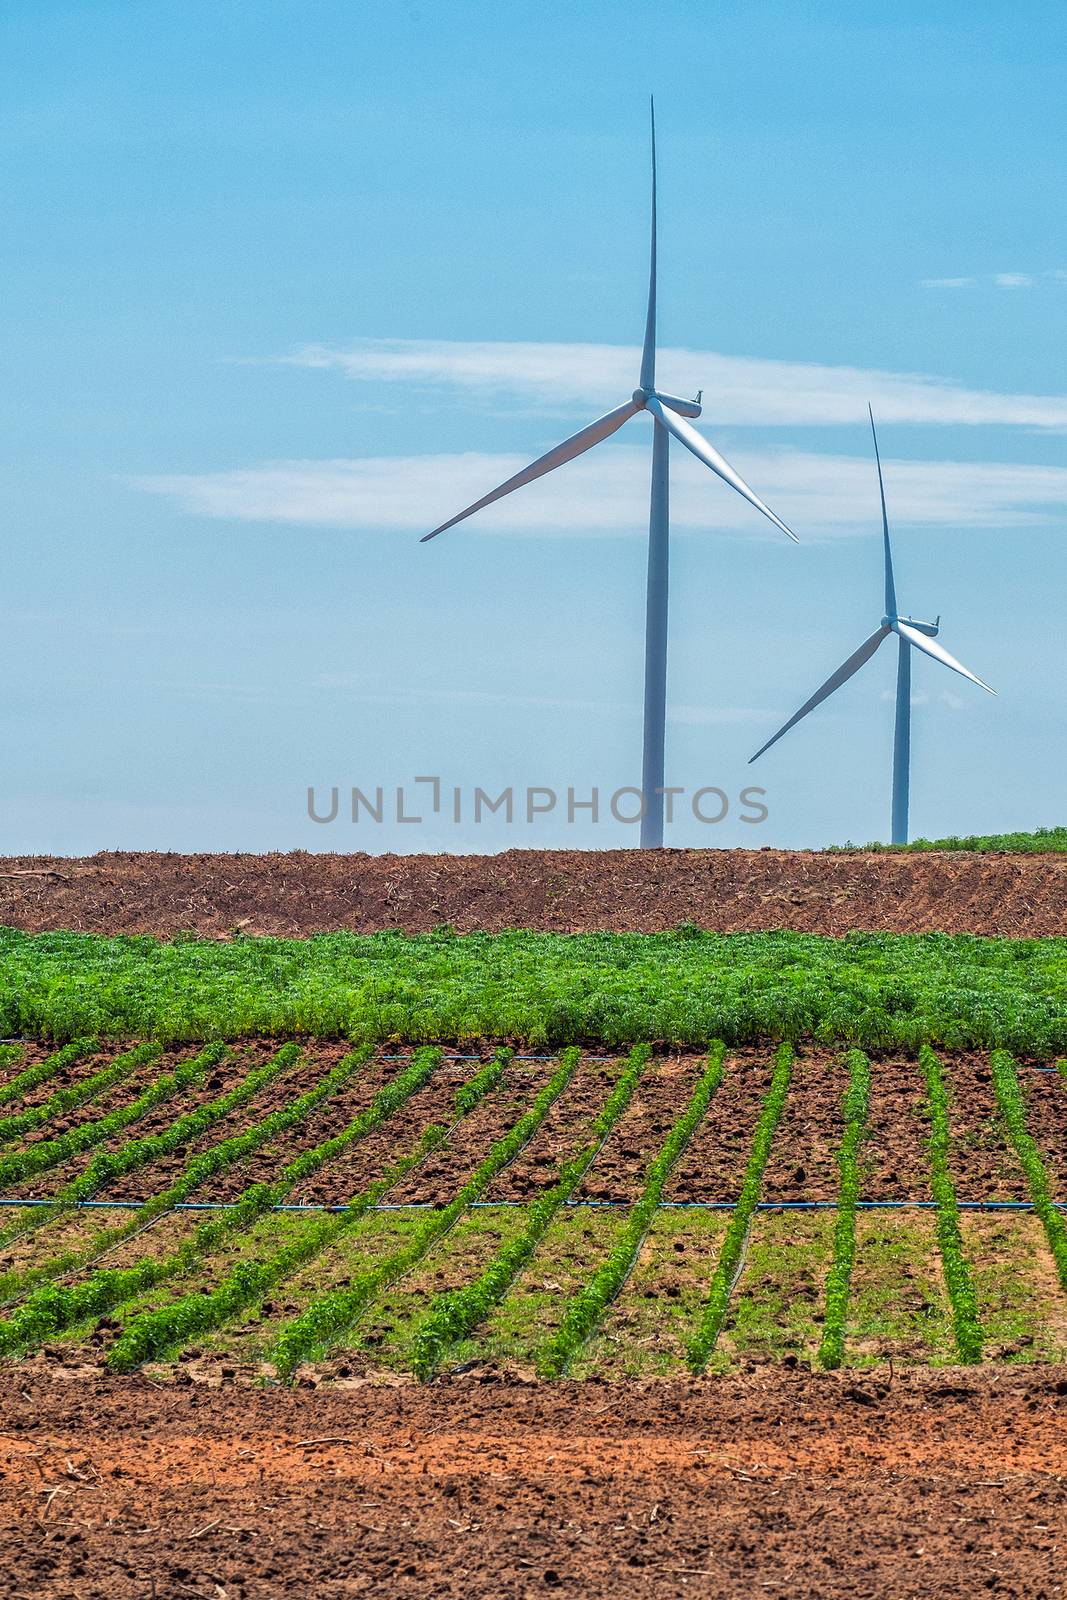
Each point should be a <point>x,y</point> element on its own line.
<point>911,635</point>
<point>668,415</point>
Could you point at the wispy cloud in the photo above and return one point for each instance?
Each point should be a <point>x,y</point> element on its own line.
<point>998,280</point>
<point>606,492</point>
<point>738,389</point>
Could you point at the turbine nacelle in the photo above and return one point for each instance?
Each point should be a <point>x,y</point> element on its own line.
<point>684,408</point>
<point>931,629</point>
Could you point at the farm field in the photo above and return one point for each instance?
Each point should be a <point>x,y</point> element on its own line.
<point>261,1211</point>
<point>497,1263</point>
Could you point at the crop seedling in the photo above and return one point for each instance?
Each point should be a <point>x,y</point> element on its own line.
<point>454,1313</point>
<point>856,1107</point>
<point>958,1282</point>
<point>731,1255</point>
<point>586,1309</point>
<point>328,1318</point>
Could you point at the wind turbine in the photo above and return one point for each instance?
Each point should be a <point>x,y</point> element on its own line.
<point>912,635</point>
<point>669,415</point>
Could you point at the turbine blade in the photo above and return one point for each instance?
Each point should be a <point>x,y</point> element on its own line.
<point>929,647</point>
<point>890,586</point>
<point>576,445</point>
<point>705,452</point>
<point>842,675</point>
<point>648,352</point>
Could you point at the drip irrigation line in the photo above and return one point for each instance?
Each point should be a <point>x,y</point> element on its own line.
<point>601,1205</point>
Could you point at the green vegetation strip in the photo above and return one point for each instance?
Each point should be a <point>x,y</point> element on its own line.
<point>20,1165</point>
<point>456,1312</point>
<point>686,987</point>
<point>958,1282</point>
<point>68,1099</point>
<point>733,1246</point>
<point>50,1067</point>
<point>109,1166</point>
<point>586,1309</point>
<point>53,1307</point>
<point>1012,1106</point>
<point>856,1106</point>
<point>166,1329</point>
<point>1039,841</point>
<point>328,1318</point>
<point>217,1159</point>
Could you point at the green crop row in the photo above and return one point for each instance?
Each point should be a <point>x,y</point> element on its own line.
<point>687,987</point>
<point>731,1254</point>
<point>198,1170</point>
<point>50,1067</point>
<point>855,1106</point>
<point>328,1318</point>
<point>166,1329</point>
<point>19,1165</point>
<point>53,1307</point>
<point>586,1309</point>
<point>107,1167</point>
<point>1012,1106</point>
<point>68,1099</point>
<point>484,1081</point>
<point>958,1281</point>
<point>456,1312</point>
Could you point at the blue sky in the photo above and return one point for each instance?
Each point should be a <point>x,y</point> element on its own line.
<point>281,285</point>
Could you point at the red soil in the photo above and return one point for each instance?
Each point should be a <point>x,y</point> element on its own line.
<point>566,890</point>
<point>774,1483</point>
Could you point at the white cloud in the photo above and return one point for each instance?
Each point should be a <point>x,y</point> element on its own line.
<point>1013,280</point>
<point>606,492</point>
<point>737,389</point>
<point>947,283</point>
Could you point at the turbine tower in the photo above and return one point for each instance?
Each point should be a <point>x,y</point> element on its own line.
<point>911,635</point>
<point>669,415</point>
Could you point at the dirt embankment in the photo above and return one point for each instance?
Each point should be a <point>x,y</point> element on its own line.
<point>560,890</point>
<point>774,1483</point>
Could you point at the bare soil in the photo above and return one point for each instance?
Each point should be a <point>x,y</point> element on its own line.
<point>562,890</point>
<point>939,1484</point>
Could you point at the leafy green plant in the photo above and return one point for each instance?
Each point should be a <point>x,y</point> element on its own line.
<point>586,1309</point>
<point>50,1067</point>
<point>164,1329</point>
<point>1012,1106</point>
<point>74,1095</point>
<point>454,1313</point>
<point>53,1307</point>
<point>218,1158</point>
<point>19,1165</point>
<point>958,1282</point>
<point>731,1254</point>
<point>865,990</point>
<point>167,1328</point>
<point>108,1166</point>
<point>328,1318</point>
<point>1037,841</point>
<point>856,1106</point>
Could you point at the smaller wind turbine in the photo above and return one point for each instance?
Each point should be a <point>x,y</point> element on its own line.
<point>912,635</point>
